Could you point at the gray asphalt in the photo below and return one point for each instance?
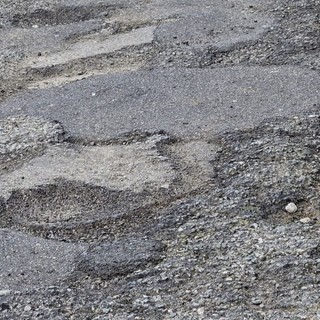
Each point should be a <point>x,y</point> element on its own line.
<point>183,102</point>
<point>150,227</point>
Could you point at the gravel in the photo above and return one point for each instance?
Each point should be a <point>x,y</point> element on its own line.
<point>229,226</point>
<point>230,249</point>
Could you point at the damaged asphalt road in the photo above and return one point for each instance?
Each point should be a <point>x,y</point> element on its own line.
<point>148,152</point>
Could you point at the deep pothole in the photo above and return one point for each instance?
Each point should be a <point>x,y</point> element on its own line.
<point>62,15</point>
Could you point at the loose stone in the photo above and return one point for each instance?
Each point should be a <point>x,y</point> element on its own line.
<point>305,220</point>
<point>4,292</point>
<point>27,308</point>
<point>291,207</point>
<point>256,301</point>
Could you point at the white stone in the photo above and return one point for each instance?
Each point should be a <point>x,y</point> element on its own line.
<point>4,292</point>
<point>200,311</point>
<point>27,308</point>
<point>305,220</point>
<point>291,207</point>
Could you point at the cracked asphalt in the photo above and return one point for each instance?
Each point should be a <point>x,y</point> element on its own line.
<point>148,153</point>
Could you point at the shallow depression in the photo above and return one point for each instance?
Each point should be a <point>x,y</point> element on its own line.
<point>66,202</point>
<point>75,185</point>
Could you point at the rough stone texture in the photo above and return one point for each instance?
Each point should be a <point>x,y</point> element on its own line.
<point>149,179</point>
<point>108,260</point>
<point>271,166</point>
<point>23,137</point>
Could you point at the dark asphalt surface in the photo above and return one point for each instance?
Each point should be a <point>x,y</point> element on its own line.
<point>183,102</point>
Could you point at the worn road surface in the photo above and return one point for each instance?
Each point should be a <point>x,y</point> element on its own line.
<point>159,159</point>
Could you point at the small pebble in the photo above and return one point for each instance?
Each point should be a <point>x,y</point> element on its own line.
<point>200,311</point>
<point>305,220</point>
<point>256,301</point>
<point>4,292</point>
<point>291,207</point>
<point>27,308</point>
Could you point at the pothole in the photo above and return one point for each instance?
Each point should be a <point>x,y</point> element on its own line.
<point>128,59</point>
<point>34,262</point>
<point>137,166</point>
<point>259,171</point>
<point>70,210</point>
<point>293,40</point>
<point>77,190</point>
<point>68,202</point>
<point>108,29</point>
<point>62,15</point>
<point>194,158</point>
